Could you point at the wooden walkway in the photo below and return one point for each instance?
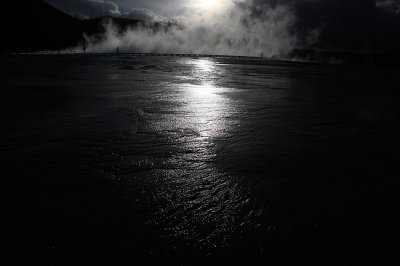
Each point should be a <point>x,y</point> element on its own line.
<point>135,54</point>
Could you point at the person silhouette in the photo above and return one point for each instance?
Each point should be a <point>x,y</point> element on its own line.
<point>117,50</point>
<point>84,48</point>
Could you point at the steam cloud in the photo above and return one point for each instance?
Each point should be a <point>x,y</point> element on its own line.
<point>389,5</point>
<point>237,29</point>
<point>247,27</point>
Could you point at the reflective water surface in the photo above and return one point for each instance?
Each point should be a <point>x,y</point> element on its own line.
<point>125,159</point>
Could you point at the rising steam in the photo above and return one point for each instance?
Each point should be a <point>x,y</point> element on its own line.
<point>235,29</point>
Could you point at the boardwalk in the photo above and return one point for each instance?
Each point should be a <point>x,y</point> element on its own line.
<point>139,54</point>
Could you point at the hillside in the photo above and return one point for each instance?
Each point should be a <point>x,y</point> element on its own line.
<point>35,25</point>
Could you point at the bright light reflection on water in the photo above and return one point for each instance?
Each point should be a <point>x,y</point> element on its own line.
<point>210,198</point>
<point>206,106</point>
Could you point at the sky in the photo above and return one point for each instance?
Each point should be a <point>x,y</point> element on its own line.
<point>357,25</point>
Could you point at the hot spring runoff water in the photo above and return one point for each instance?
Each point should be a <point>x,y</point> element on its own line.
<point>121,159</point>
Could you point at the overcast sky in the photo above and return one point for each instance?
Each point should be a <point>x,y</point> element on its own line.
<point>161,7</point>
<point>341,24</point>
<point>168,7</point>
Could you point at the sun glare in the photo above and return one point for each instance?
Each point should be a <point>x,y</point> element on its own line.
<point>205,4</point>
<point>210,7</point>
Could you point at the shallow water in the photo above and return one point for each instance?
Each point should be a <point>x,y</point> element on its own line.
<point>124,159</point>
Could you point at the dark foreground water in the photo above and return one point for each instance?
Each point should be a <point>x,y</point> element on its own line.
<point>194,161</point>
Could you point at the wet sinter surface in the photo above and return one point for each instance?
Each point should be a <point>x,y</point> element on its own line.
<point>192,161</point>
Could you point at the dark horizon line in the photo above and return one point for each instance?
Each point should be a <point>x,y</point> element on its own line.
<point>133,53</point>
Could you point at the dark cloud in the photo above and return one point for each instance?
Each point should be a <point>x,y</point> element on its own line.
<point>142,14</point>
<point>342,24</point>
<point>86,8</point>
<point>363,25</point>
<point>162,7</point>
<point>95,8</point>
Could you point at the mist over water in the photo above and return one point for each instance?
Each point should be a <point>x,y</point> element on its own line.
<point>231,29</point>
